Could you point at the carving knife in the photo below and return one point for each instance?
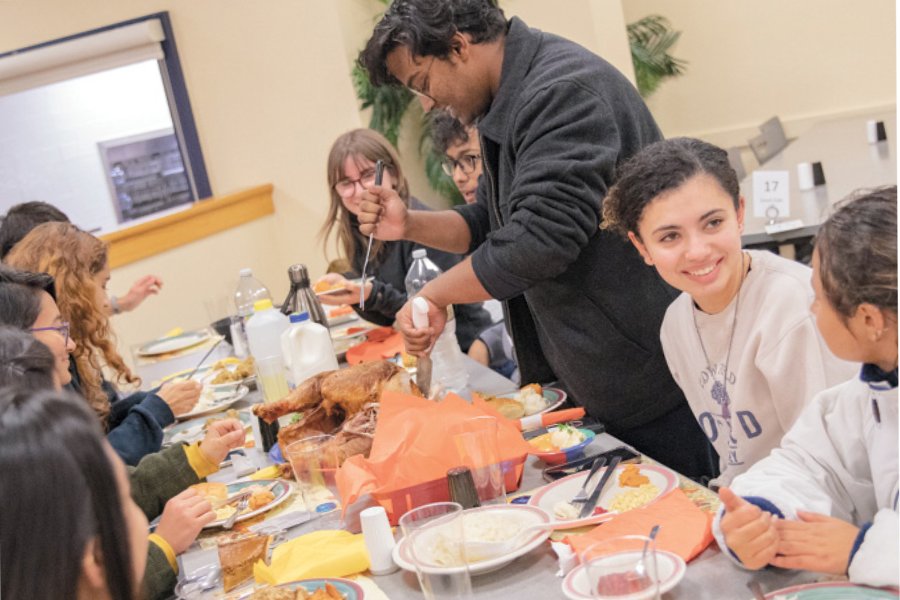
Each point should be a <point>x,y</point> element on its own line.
<point>423,363</point>
<point>588,508</point>
<point>379,173</point>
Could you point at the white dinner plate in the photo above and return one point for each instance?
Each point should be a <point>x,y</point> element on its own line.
<point>350,590</point>
<point>174,343</point>
<point>565,489</point>
<point>206,374</point>
<point>282,490</point>
<point>356,281</point>
<point>529,516</point>
<point>553,398</point>
<point>830,590</point>
<point>671,570</point>
<point>193,430</point>
<point>212,401</point>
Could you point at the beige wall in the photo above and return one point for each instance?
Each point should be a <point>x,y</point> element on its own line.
<point>268,98</point>
<point>803,60</point>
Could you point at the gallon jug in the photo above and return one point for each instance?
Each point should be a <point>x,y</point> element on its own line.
<point>307,348</point>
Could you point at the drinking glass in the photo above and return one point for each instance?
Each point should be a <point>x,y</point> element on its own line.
<point>620,567</point>
<point>434,540</point>
<point>315,462</point>
<point>477,448</point>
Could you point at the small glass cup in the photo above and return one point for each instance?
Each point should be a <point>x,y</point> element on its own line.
<point>478,448</point>
<point>315,462</point>
<point>622,567</point>
<point>435,540</point>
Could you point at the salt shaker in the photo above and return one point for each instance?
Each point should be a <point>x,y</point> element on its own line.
<point>462,487</point>
<point>379,540</point>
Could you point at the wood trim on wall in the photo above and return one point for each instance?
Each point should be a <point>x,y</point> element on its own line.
<point>203,219</point>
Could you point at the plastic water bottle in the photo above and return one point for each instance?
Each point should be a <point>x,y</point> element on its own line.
<point>264,329</point>
<point>249,290</point>
<point>307,349</point>
<point>448,368</point>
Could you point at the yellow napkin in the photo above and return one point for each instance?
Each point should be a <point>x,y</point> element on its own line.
<point>329,553</point>
<point>270,472</point>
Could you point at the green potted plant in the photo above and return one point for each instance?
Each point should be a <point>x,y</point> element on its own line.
<point>650,39</point>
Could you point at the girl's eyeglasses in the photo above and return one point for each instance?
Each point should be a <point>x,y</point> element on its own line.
<point>62,330</point>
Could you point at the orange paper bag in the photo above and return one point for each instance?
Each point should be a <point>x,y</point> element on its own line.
<point>413,450</point>
<point>684,529</point>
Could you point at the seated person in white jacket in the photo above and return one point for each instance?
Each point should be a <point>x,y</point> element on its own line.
<point>826,500</point>
<point>739,340</point>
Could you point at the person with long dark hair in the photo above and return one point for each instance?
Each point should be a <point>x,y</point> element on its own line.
<point>69,529</point>
<point>160,481</point>
<point>826,499</point>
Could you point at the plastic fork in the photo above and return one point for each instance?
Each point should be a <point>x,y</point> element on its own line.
<point>582,494</point>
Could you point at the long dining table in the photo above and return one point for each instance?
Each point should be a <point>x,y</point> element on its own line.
<point>849,162</point>
<point>711,575</point>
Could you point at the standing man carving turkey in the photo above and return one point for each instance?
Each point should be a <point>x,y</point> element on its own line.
<point>555,121</point>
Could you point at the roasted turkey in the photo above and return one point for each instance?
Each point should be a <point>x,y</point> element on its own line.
<point>330,400</point>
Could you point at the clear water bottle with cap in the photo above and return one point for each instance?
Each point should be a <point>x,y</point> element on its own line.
<point>448,368</point>
<point>249,290</point>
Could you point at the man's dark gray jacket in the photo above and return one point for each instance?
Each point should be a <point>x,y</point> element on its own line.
<point>581,304</point>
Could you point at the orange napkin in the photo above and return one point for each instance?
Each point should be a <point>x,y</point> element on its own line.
<point>412,446</point>
<point>684,529</point>
<point>381,343</point>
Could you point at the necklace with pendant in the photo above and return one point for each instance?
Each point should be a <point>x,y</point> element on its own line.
<point>719,390</point>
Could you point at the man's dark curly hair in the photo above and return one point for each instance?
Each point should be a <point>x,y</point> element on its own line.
<point>426,28</point>
<point>658,168</point>
<point>446,131</point>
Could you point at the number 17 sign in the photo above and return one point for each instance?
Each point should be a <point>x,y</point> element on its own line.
<point>771,194</point>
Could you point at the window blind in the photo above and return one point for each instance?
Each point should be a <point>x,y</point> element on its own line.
<point>81,56</point>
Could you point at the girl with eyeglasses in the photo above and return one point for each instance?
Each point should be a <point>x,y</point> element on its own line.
<point>159,484</point>
<point>78,263</point>
<point>351,170</point>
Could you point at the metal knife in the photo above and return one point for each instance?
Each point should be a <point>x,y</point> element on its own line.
<point>588,508</point>
<point>423,363</point>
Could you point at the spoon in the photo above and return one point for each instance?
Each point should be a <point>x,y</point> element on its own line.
<point>641,569</point>
<point>478,550</point>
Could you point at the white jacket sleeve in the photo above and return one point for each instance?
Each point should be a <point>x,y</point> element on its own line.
<point>877,561</point>
<point>818,467</point>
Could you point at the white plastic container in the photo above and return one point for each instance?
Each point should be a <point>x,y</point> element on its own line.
<point>264,329</point>
<point>307,348</point>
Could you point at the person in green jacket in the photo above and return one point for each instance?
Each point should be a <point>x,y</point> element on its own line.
<point>160,482</point>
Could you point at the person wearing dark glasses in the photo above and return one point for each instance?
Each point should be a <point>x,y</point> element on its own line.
<point>351,171</point>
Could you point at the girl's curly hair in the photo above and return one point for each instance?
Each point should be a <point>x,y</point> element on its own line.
<point>73,257</point>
